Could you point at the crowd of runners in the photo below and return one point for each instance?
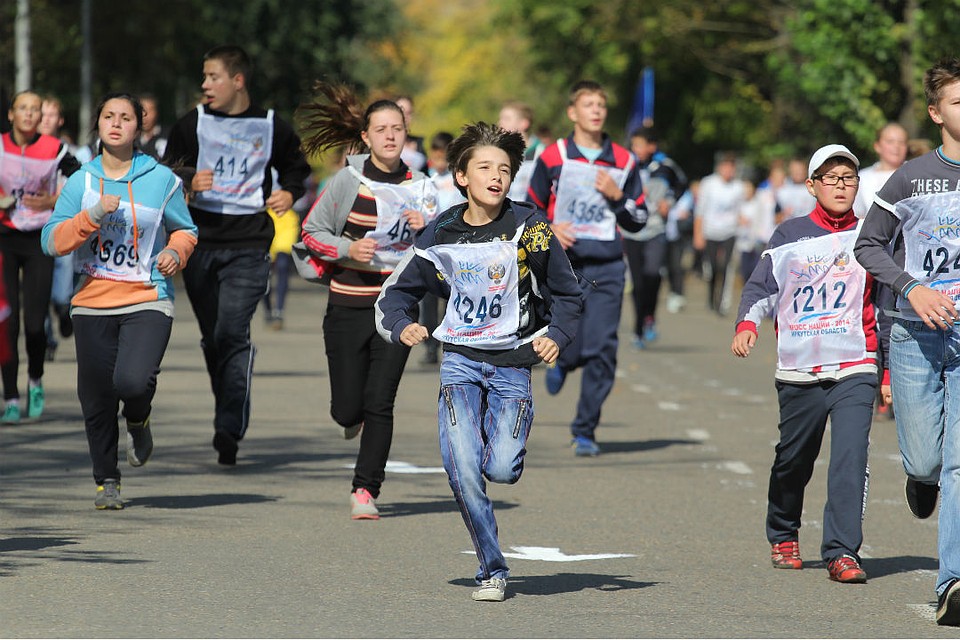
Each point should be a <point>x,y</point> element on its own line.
<point>499,250</point>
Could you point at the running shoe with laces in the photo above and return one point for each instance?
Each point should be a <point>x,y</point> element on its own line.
<point>11,414</point>
<point>921,498</point>
<point>846,569</point>
<point>555,378</point>
<point>491,590</point>
<point>948,605</point>
<point>139,442</point>
<point>786,555</point>
<point>108,495</point>
<point>583,447</point>
<point>363,506</point>
<point>35,399</point>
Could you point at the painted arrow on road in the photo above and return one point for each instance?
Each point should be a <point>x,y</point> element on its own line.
<point>553,554</point>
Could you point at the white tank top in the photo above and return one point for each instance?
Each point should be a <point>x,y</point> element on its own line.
<point>115,252</point>
<point>483,311</point>
<point>820,304</point>
<point>578,201</point>
<point>21,176</point>
<point>931,242</point>
<point>238,151</point>
<point>393,233</point>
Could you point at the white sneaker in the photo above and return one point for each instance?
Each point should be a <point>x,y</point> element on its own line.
<point>492,590</point>
<point>676,303</point>
<point>363,506</point>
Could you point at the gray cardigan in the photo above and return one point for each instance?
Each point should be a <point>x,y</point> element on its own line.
<point>322,240</point>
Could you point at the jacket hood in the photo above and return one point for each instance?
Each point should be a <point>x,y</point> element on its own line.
<point>142,164</point>
<point>522,212</point>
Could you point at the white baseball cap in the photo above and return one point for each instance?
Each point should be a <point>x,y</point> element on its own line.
<point>823,154</point>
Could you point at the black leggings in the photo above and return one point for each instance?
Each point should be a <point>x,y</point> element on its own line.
<point>719,254</point>
<point>118,358</point>
<point>646,258</point>
<point>364,373</point>
<point>28,277</point>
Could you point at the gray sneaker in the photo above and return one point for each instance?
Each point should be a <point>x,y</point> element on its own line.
<point>492,590</point>
<point>108,495</point>
<point>139,442</point>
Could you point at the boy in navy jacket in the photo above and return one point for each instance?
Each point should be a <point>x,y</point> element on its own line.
<point>513,301</point>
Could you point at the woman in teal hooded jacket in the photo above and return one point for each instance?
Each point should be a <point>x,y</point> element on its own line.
<point>125,218</point>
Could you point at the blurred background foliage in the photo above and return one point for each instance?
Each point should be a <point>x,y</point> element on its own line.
<point>764,78</point>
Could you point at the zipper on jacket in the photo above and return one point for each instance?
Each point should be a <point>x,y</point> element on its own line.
<point>520,416</point>
<point>449,401</point>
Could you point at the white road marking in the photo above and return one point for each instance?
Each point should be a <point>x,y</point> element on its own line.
<point>553,554</point>
<point>698,434</point>
<point>641,388</point>
<point>736,466</point>
<point>404,467</point>
<point>668,406</point>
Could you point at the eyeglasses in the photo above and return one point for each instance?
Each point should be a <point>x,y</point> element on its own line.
<point>830,180</point>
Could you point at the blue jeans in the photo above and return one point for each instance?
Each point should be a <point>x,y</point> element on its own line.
<point>925,377</point>
<point>485,413</point>
<point>224,287</point>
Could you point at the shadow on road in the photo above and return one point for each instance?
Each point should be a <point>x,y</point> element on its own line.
<point>880,567</point>
<point>445,505</point>
<point>642,445</point>
<point>28,550</point>
<point>548,585</point>
<point>198,501</point>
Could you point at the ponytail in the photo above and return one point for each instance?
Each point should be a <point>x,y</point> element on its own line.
<point>336,118</point>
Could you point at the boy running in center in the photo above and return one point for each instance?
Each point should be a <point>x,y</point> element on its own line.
<point>513,301</point>
<point>826,364</point>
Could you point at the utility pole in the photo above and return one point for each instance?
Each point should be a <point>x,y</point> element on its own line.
<point>86,74</point>
<point>21,35</point>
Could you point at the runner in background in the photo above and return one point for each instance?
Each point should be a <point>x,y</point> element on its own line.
<point>646,250</point>
<point>30,164</point>
<point>518,116</point>
<point>354,236</point>
<point>224,149</point>
<point>448,195</point>
<point>414,154</point>
<point>891,149</point>
<point>286,233</point>
<point>792,197</point>
<point>152,141</point>
<point>715,228</point>
<point>51,121</point>
<point>589,186</point>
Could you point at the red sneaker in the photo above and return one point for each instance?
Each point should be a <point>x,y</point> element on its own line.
<point>786,555</point>
<point>846,569</point>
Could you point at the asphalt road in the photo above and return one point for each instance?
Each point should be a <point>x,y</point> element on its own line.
<point>661,536</point>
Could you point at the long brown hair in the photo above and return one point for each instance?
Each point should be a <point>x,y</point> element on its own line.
<point>336,118</point>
